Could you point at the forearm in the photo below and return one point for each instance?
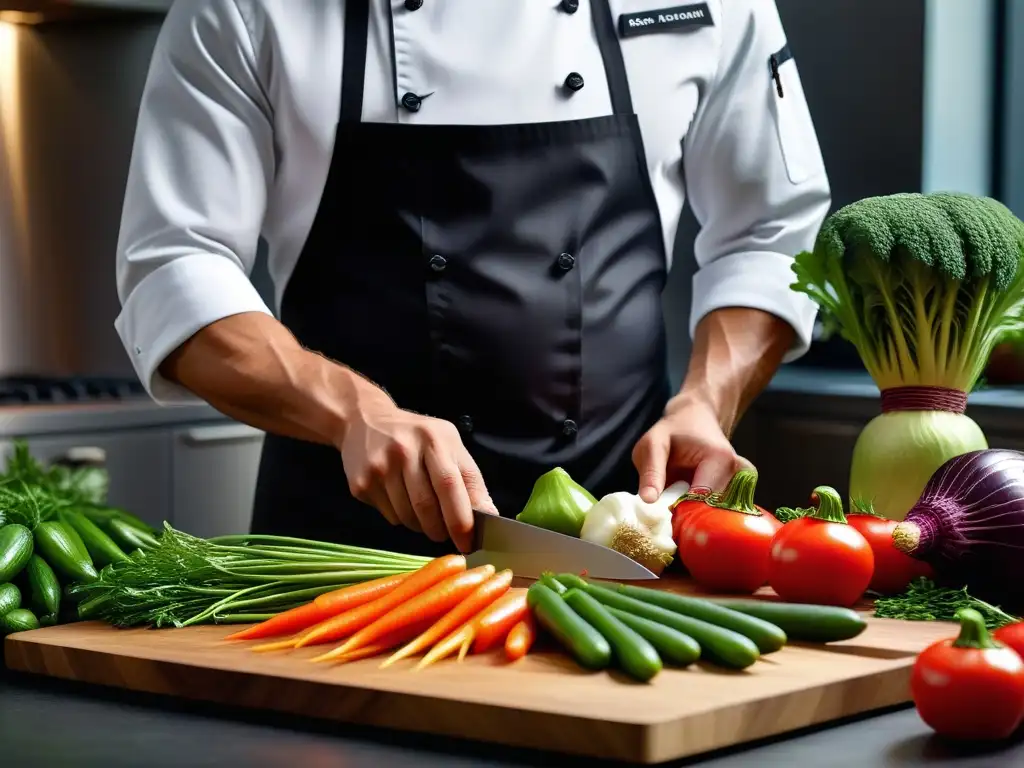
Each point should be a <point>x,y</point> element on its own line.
<point>736,351</point>
<point>251,368</point>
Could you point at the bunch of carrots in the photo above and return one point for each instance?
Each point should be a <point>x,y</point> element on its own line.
<point>440,609</point>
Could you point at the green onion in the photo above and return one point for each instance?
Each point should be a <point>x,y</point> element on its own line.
<point>185,580</point>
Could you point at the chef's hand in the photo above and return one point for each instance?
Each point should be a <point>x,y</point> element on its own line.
<point>415,470</point>
<point>686,444</point>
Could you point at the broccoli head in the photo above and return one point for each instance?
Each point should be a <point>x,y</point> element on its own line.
<point>924,285</point>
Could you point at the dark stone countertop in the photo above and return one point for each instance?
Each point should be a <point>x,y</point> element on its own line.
<point>50,724</point>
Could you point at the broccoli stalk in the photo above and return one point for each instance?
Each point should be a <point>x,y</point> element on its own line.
<point>924,286</point>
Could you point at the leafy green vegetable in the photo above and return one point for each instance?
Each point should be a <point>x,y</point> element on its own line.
<point>185,580</point>
<point>72,485</point>
<point>925,601</point>
<point>924,286</point>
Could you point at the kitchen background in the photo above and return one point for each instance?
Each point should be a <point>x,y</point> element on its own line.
<point>906,95</point>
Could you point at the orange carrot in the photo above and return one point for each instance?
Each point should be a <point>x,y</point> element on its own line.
<point>459,640</point>
<point>383,645</point>
<point>280,645</point>
<point>364,615</point>
<point>359,594</point>
<point>428,605</point>
<point>286,623</point>
<point>484,596</point>
<point>520,638</point>
<point>493,625</point>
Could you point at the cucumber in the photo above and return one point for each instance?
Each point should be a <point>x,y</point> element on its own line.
<point>549,581</point>
<point>768,637</point>
<point>128,537</point>
<point>18,620</point>
<point>672,645</point>
<point>16,548</point>
<point>588,646</point>
<point>811,623</point>
<point>717,644</point>
<point>633,654</point>
<point>101,547</point>
<point>43,586</point>
<point>101,515</point>
<point>10,598</point>
<point>64,550</point>
<point>49,620</point>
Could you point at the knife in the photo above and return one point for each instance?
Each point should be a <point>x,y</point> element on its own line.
<point>529,551</point>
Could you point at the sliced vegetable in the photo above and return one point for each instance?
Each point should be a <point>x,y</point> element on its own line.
<point>387,643</point>
<point>460,640</point>
<point>15,550</point>
<point>968,525</point>
<point>493,625</point>
<point>725,539</point>
<point>924,286</point>
<point>43,587</point>
<point>557,503</point>
<point>800,621</point>
<point>672,645</point>
<point>521,638</point>
<point>99,545</point>
<point>10,598</point>
<point>626,523</point>
<point>18,620</point>
<point>587,645</point>
<point>819,558</point>
<point>894,570</point>
<point>1012,636</point>
<point>63,549</point>
<point>718,644</point>
<point>632,653</point>
<point>970,687</point>
<point>364,615</point>
<point>430,604</point>
<point>322,608</point>
<point>462,612</point>
<point>768,637</point>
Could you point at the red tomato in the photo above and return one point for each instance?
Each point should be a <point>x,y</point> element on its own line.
<point>727,551</point>
<point>894,570</point>
<point>1013,636</point>
<point>972,693</point>
<point>816,561</point>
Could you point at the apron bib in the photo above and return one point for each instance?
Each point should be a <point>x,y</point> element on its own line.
<point>506,278</point>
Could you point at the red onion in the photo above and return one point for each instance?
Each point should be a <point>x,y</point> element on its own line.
<point>968,525</point>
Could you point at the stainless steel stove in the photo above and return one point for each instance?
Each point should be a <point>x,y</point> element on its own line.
<point>43,390</point>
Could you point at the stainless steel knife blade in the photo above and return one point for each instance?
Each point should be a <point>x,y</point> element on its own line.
<point>529,551</point>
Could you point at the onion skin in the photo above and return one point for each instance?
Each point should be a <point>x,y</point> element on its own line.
<point>969,525</point>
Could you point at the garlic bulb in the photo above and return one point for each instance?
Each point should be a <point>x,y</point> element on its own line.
<point>626,523</point>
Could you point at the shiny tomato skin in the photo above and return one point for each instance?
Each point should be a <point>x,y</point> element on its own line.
<point>818,562</point>
<point>969,693</point>
<point>727,551</point>
<point>894,570</point>
<point>1012,635</point>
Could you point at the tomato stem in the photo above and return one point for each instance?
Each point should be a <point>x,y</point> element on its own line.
<point>864,507</point>
<point>830,505</point>
<point>973,633</point>
<point>738,496</point>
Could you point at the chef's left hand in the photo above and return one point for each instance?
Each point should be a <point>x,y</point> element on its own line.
<point>686,444</point>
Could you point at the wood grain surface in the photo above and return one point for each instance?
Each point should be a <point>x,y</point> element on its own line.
<point>544,701</point>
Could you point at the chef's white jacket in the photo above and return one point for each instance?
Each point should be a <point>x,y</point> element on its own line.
<point>237,123</point>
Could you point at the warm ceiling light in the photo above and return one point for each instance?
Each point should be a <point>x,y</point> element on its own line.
<point>22,17</point>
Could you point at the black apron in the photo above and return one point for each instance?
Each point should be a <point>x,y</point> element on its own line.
<point>506,278</point>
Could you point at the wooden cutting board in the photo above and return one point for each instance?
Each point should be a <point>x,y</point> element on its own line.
<point>544,701</point>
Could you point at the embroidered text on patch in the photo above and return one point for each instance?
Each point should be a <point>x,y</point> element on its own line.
<point>665,19</point>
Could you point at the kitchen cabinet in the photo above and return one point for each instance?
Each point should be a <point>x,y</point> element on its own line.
<point>139,463</point>
<point>214,482</point>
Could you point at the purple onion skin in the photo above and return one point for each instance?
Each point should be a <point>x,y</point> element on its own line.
<point>970,520</point>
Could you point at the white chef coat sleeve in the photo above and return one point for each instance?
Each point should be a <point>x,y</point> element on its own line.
<point>197,188</point>
<point>754,175</point>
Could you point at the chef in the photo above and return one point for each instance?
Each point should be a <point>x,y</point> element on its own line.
<point>469,209</point>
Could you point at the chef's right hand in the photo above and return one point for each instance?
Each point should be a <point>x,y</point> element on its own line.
<point>415,470</point>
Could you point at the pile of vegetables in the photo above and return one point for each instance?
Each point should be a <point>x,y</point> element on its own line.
<point>56,531</point>
<point>972,687</point>
<point>620,521</point>
<point>445,609</point>
<point>924,286</point>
